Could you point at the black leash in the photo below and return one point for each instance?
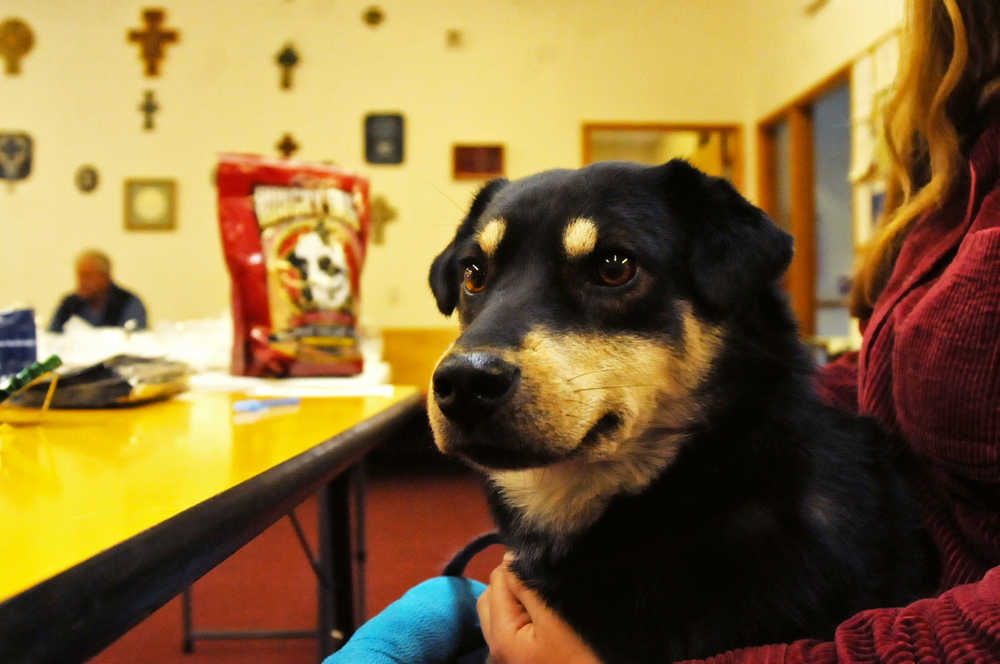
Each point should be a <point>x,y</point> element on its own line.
<point>458,563</point>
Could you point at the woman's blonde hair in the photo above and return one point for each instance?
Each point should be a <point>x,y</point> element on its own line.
<point>949,74</point>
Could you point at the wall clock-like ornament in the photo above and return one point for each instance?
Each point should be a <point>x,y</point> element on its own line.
<point>150,204</point>
<point>86,178</point>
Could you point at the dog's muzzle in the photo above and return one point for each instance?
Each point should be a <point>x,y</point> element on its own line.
<point>476,392</point>
<point>471,387</point>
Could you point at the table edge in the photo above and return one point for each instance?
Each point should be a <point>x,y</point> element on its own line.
<point>80,611</point>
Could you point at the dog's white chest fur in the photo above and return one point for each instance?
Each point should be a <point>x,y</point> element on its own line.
<point>566,497</point>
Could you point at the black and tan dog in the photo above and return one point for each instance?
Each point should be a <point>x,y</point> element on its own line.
<point>630,379</point>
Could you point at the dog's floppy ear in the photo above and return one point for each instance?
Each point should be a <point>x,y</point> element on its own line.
<point>444,269</point>
<point>444,281</point>
<point>735,249</point>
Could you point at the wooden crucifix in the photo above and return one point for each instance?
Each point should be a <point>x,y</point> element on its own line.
<point>381,214</point>
<point>152,39</point>
<point>287,146</point>
<point>286,59</point>
<point>148,107</point>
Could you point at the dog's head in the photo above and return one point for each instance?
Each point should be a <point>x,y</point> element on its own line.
<point>324,271</point>
<point>593,304</point>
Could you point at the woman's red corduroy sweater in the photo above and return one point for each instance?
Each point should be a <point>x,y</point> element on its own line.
<point>929,371</point>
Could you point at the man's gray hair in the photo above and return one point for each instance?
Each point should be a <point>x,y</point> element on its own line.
<point>97,257</point>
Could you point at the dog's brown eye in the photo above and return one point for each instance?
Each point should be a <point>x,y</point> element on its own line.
<point>615,269</point>
<point>475,278</point>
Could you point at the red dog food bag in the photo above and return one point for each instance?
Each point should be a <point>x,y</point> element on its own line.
<point>294,236</point>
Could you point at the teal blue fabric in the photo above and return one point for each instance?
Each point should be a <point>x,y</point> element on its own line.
<point>435,622</point>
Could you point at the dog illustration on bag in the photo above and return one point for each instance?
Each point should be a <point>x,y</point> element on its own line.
<point>324,272</point>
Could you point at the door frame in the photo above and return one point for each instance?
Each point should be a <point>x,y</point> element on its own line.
<point>801,275</point>
<point>737,132</point>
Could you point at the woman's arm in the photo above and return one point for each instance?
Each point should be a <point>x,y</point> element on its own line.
<point>963,625</point>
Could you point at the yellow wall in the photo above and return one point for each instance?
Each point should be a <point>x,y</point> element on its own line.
<point>529,73</point>
<point>791,50</point>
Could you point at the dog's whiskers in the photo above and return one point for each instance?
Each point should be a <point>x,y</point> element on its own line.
<point>449,198</point>
<point>589,373</point>
<point>613,387</point>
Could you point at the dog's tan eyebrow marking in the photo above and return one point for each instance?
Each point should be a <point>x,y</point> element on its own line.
<point>580,237</point>
<point>491,236</point>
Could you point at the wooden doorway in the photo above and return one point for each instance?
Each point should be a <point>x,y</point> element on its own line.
<point>803,152</point>
<point>714,148</point>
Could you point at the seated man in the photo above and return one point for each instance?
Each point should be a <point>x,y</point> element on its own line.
<point>98,300</point>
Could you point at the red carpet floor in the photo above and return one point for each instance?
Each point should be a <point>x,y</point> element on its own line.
<point>415,523</point>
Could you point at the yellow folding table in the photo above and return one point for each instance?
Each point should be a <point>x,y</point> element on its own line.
<point>105,515</point>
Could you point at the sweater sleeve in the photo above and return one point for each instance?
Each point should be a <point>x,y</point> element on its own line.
<point>62,314</point>
<point>435,622</point>
<point>837,382</point>
<point>961,625</point>
<point>946,363</point>
<point>134,310</point>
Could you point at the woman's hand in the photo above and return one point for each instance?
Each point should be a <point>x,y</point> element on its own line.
<point>520,629</point>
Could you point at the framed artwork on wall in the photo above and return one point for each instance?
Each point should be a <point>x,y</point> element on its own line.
<point>15,155</point>
<point>384,136</point>
<point>150,204</point>
<point>475,162</point>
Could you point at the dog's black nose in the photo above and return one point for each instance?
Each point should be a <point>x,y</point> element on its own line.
<point>468,387</point>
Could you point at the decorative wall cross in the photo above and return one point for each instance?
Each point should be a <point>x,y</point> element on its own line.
<point>148,108</point>
<point>286,59</point>
<point>152,39</point>
<point>373,16</point>
<point>16,39</point>
<point>287,146</point>
<point>381,214</point>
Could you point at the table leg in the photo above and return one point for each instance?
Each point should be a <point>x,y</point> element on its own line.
<point>187,645</point>
<point>337,615</point>
<point>360,544</point>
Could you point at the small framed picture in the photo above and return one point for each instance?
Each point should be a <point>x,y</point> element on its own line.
<point>384,138</point>
<point>150,204</point>
<point>475,162</point>
<point>15,155</point>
